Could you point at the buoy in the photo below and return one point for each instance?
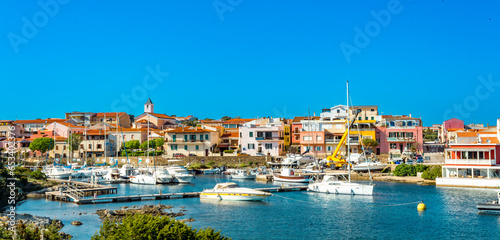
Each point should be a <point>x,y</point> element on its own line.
<point>421,206</point>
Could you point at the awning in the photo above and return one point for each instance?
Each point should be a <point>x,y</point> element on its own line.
<point>469,149</point>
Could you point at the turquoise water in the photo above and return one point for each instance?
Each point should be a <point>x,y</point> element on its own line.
<point>451,213</point>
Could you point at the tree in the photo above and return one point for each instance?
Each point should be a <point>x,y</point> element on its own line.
<point>42,144</point>
<point>74,140</point>
<point>132,144</point>
<point>225,118</point>
<point>208,119</point>
<point>142,226</point>
<point>159,142</point>
<point>415,147</point>
<point>368,142</point>
<point>144,145</point>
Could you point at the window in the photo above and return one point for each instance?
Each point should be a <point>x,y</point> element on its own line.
<point>338,111</point>
<point>373,118</point>
<point>186,147</point>
<point>81,146</point>
<point>393,146</point>
<point>197,147</point>
<point>241,135</point>
<point>296,129</point>
<point>307,138</point>
<point>297,138</point>
<point>329,148</point>
<point>57,147</point>
<point>409,135</point>
<point>251,146</point>
<point>250,134</point>
<point>373,110</point>
<point>319,149</point>
<point>410,123</point>
<point>64,148</point>
<point>268,146</point>
<point>90,146</point>
<point>391,124</point>
<point>481,155</point>
<point>409,145</point>
<point>318,138</point>
<point>201,137</point>
<point>206,136</point>
<point>99,146</point>
<point>359,118</point>
<point>366,118</point>
<point>173,147</point>
<point>392,134</point>
<point>260,134</point>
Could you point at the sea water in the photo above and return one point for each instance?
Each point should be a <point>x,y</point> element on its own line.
<point>391,213</point>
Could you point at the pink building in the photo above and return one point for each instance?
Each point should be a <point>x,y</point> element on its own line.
<point>398,133</point>
<point>450,124</point>
<point>314,141</point>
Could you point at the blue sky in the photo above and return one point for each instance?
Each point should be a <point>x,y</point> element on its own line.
<point>251,58</point>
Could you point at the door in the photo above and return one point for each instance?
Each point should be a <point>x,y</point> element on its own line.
<point>206,152</point>
<point>401,147</point>
<point>174,138</point>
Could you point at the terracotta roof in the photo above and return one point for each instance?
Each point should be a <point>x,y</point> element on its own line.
<point>238,120</point>
<point>6,121</point>
<point>230,135</point>
<point>109,114</point>
<point>493,140</point>
<point>467,134</point>
<point>298,119</point>
<point>40,121</point>
<point>158,115</point>
<point>189,130</point>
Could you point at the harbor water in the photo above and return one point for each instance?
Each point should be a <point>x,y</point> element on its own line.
<point>390,214</point>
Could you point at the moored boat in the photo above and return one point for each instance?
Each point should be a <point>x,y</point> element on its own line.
<point>338,184</point>
<point>490,206</point>
<point>371,166</point>
<point>231,191</point>
<point>243,174</point>
<point>288,175</point>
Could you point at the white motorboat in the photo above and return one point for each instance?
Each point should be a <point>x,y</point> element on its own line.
<point>211,171</point>
<point>243,174</point>
<point>288,175</point>
<point>126,171</point>
<point>163,176</point>
<point>57,172</point>
<point>312,169</point>
<point>143,179</point>
<point>180,174</point>
<point>231,191</point>
<point>338,184</point>
<point>372,166</point>
<point>112,173</point>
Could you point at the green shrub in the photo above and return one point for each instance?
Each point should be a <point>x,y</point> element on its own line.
<point>153,227</point>
<point>229,151</point>
<point>29,231</point>
<point>39,175</point>
<point>243,165</point>
<point>250,163</point>
<point>386,170</point>
<point>433,173</point>
<point>405,170</point>
<point>421,167</point>
<point>212,164</point>
<point>197,166</point>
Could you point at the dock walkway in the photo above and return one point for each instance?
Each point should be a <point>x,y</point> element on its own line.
<point>73,197</point>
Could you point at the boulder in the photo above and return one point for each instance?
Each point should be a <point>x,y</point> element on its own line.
<point>76,223</point>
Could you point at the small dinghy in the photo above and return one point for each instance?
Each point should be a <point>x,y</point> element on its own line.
<point>490,206</point>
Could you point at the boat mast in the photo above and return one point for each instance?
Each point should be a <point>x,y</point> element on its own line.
<point>105,138</point>
<point>348,135</point>
<point>116,138</point>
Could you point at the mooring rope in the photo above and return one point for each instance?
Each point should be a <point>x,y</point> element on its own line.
<point>290,198</point>
<point>400,204</point>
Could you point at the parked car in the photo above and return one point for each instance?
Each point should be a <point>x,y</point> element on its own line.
<point>193,155</point>
<point>260,154</point>
<point>419,159</point>
<point>179,155</point>
<point>242,154</point>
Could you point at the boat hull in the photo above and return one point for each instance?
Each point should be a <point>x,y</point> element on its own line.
<point>488,207</point>
<point>297,179</point>
<point>146,180</point>
<point>183,179</point>
<point>234,196</point>
<point>342,188</point>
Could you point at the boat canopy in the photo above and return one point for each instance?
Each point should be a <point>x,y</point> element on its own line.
<point>226,185</point>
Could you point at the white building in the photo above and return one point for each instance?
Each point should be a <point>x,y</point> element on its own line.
<point>262,136</point>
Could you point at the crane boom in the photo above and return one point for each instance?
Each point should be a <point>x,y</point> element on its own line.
<point>333,158</point>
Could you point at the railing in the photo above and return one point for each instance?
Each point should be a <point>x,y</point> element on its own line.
<point>487,162</point>
<point>74,192</point>
<point>269,138</point>
<point>332,140</point>
<point>400,139</point>
<point>183,141</point>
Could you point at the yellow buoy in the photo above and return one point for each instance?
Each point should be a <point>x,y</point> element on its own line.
<point>421,206</point>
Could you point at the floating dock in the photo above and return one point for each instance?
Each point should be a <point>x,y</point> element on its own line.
<point>69,195</point>
<point>74,190</point>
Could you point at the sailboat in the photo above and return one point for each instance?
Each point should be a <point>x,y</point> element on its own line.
<point>338,183</point>
<point>145,178</point>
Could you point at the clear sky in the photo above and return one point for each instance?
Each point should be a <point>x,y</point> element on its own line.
<point>250,58</point>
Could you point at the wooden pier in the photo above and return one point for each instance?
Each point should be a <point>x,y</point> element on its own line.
<point>79,199</point>
<point>73,190</point>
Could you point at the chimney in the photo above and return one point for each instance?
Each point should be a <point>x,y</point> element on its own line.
<point>409,115</point>
<point>314,113</point>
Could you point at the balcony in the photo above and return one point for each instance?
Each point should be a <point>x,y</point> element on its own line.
<point>268,138</point>
<point>332,140</point>
<point>400,139</point>
<point>485,162</point>
<point>184,141</point>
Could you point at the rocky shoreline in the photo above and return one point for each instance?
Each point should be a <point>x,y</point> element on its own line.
<point>155,210</point>
<point>36,221</point>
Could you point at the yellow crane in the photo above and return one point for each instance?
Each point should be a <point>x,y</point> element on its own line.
<point>335,161</point>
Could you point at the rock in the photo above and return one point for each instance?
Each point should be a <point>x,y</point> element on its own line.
<point>79,213</point>
<point>76,223</point>
<point>187,220</point>
<point>57,223</point>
